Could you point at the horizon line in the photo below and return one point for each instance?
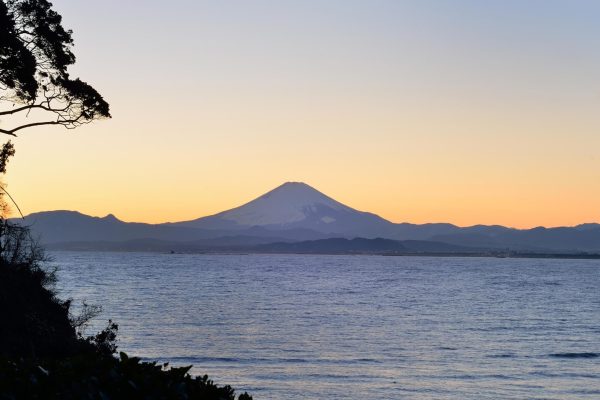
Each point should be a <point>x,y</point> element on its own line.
<point>112,215</point>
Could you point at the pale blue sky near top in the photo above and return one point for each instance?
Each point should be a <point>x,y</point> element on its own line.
<point>421,111</point>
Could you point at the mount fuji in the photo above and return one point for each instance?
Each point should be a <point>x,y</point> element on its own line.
<point>296,205</point>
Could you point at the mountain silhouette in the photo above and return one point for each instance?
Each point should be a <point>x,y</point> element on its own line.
<point>296,205</point>
<point>296,212</point>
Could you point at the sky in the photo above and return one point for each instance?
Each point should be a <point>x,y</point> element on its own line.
<point>468,112</point>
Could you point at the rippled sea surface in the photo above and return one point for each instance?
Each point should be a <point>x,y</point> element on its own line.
<point>360,327</point>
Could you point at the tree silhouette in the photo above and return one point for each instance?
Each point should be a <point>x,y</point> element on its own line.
<point>35,87</point>
<point>43,353</point>
<point>36,90</point>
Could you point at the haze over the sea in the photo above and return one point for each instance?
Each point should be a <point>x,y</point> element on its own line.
<point>466,112</point>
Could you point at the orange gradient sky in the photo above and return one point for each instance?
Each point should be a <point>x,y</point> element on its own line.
<point>445,111</point>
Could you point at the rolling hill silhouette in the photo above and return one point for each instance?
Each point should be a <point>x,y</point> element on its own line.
<point>296,212</point>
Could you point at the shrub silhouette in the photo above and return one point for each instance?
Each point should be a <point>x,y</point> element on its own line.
<point>42,356</point>
<point>84,377</point>
<point>35,323</point>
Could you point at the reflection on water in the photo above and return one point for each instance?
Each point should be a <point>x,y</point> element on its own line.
<point>361,327</point>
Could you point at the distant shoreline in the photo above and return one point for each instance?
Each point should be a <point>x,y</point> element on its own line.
<point>381,254</point>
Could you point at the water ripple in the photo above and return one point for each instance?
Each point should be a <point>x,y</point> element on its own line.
<point>355,327</point>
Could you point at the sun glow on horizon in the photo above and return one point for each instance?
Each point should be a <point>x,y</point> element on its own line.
<point>461,112</point>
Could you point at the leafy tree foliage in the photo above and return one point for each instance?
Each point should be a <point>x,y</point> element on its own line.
<point>35,86</point>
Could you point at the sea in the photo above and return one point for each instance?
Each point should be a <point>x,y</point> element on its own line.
<point>353,327</point>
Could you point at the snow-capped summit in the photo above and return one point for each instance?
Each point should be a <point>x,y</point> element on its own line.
<point>286,204</point>
<point>295,205</point>
<point>295,212</point>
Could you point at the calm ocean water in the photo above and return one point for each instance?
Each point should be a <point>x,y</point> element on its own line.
<point>360,327</point>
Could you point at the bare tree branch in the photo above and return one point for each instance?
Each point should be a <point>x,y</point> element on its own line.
<point>40,106</point>
<point>67,123</point>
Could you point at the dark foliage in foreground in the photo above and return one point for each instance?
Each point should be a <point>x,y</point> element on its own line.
<point>92,377</point>
<point>35,323</point>
<point>43,356</point>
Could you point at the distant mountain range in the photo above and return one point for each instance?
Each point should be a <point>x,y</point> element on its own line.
<point>297,216</point>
